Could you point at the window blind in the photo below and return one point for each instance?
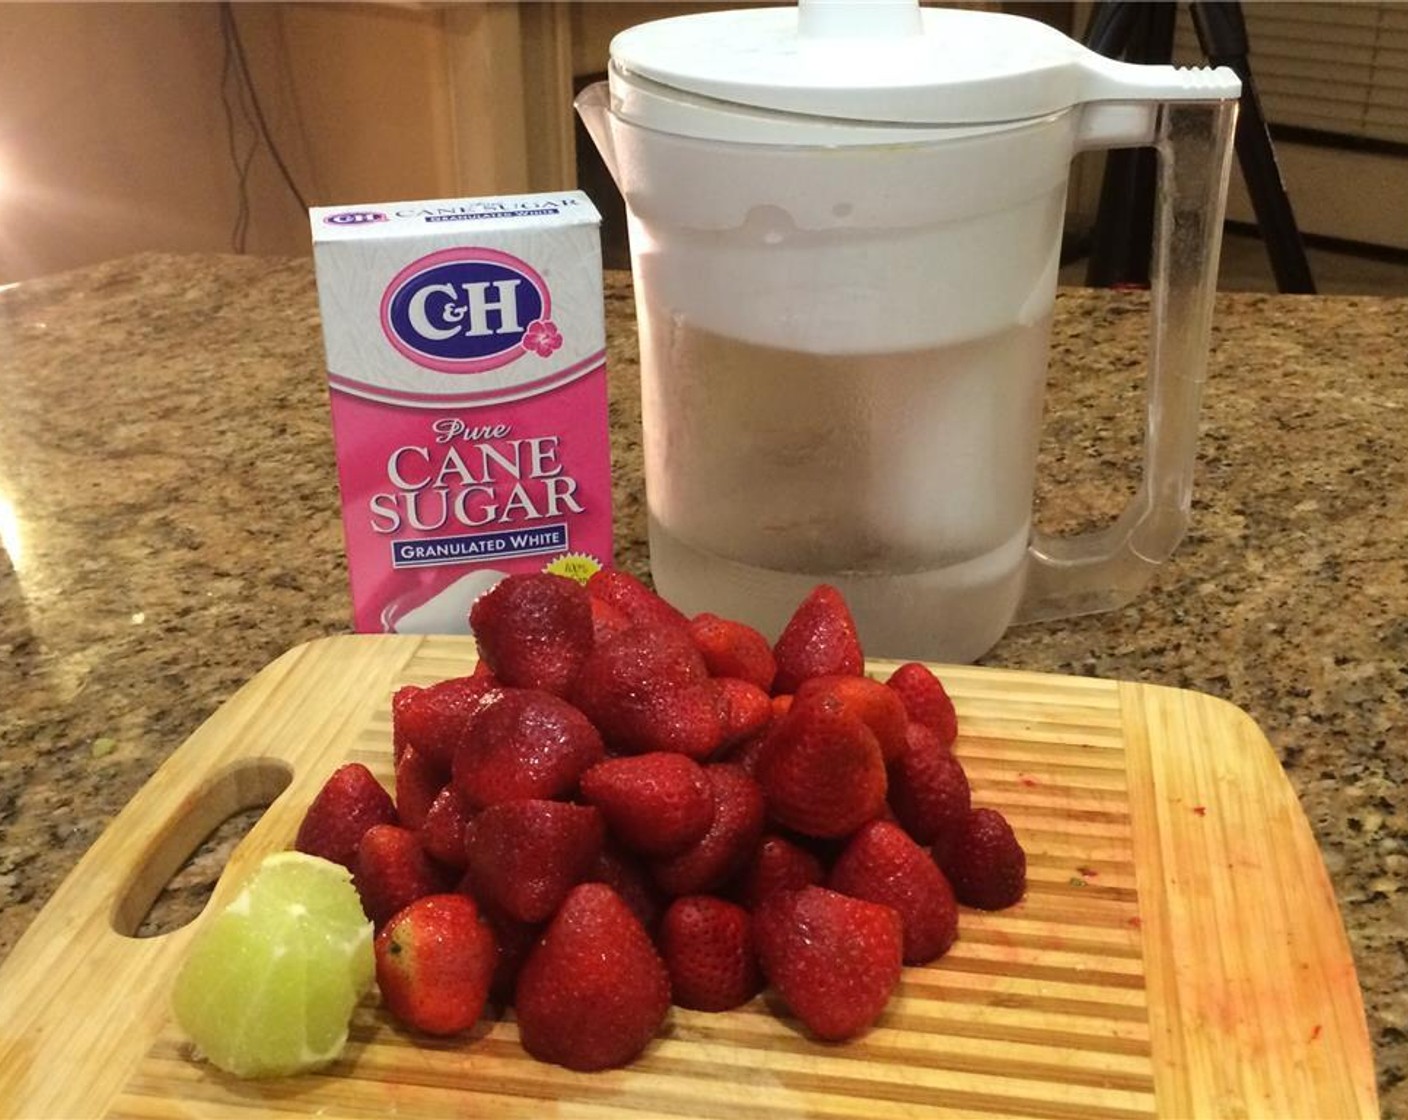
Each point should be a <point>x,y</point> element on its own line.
<point>1337,67</point>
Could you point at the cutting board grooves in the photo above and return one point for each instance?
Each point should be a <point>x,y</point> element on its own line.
<point>1178,951</point>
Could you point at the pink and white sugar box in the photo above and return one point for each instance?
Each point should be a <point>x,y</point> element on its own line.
<point>466,355</point>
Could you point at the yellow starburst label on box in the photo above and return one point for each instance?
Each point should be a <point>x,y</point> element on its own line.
<point>574,565</point>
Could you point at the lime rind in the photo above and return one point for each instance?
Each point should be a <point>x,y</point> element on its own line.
<point>271,982</point>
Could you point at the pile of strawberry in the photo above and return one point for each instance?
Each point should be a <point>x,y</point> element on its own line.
<point>623,808</point>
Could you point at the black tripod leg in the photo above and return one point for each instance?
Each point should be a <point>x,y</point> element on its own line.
<point>1110,27</point>
<point>1222,31</point>
<point>1115,256</point>
<point>1122,239</point>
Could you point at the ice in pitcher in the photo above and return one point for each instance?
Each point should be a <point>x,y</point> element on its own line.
<point>900,478</point>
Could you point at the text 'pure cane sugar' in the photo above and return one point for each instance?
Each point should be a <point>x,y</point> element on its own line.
<point>466,356</point>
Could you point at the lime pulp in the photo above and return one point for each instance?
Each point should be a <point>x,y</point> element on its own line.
<point>271,981</point>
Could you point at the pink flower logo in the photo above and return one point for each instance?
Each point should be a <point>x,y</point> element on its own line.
<point>542,337</point>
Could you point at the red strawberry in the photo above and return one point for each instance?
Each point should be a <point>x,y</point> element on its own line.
<point>882,864</point>
<point>646,659</point>
<point>401,701</point>
<point>777,864</point>
<point>646,690</point>
<point>434,961</point>
<point>484,673</point>
<point>633,599</point>
<point>524,856</point>
<point>607,621</point>
<point>442,832</point>
<point>819,640</point>
<point>433,720</point>
<point>926,700</point>
<point>651,657</point>
<point>821,769</point>
<point>419,780</point>
<point>625,874</point>
<point>984,861</point>
<point>529,744</point>
<point>744,709</point>
<point>392,870</point>
<point>534,630</point>
<point>878,707</point>
<point>929,791</point>
<point>833,959</point>
<point>350,802</point>
<point>593,992</point>
<point>688,721</point>
<point>734,649</point>
<point>513,941</point>
<point>707,945</point>
<point>725,848</point>
<point>745,753</point>
<point>658,803</point>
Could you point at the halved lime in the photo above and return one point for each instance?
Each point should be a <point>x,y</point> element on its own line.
<point>271,982</point>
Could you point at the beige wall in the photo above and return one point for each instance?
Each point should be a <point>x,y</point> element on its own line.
<point>107,116</point>
<point>113,138</point>
<point>361,89</point>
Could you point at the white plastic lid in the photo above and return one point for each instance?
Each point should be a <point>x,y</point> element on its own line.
<point>878,62</point>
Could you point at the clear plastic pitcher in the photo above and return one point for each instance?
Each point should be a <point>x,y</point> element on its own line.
<point>845,224</point>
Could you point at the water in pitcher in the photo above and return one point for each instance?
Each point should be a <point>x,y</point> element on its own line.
<point>904,479</point>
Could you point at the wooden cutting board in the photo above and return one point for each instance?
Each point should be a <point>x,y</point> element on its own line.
<point>1179,951</point>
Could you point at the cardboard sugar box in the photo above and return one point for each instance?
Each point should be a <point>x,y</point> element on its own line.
<point>466,356</point>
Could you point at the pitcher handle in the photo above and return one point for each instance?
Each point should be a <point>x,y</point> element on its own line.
<point>1105,569</point>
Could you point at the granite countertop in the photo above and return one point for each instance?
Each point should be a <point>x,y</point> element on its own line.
<point>170,520</point>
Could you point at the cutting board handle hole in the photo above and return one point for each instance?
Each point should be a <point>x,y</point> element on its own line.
<point>175,875</point>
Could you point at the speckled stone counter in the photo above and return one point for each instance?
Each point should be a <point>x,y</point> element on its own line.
<point>169,514</point>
